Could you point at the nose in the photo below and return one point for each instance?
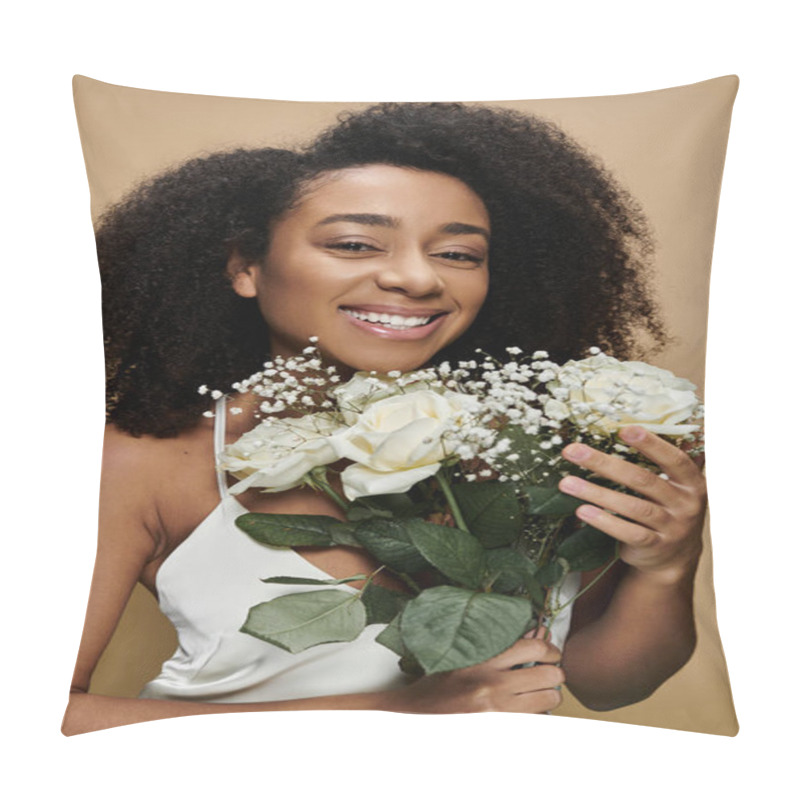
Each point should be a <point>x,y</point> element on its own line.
<point>410,272</point>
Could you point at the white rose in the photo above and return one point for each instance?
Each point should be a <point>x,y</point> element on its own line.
<point>398,441</point>
<point>606,394</point>
<point>556,409</point>
<point>277,454</point>
<point>364,388</point>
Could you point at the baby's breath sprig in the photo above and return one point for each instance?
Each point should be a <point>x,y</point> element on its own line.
<point>292,386</point>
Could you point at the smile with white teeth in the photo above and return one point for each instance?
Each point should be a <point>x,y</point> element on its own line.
<point>394,322</point>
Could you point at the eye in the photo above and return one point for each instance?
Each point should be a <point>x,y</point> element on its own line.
<point>459,256</point>
<point>353,246</point>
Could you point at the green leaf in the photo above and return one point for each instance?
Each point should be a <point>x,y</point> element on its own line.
<point>390,637</point>
<point>548,501</point>
<point>299,621</point>
<point>344,534</point>
<point>455,553</point>
<point>536,591</point>
<point>383,506</point>
<point>312,581</point>
<point>382,604</point>
<point>553,573</point>
<point>389,542</point>
<point>288,530</point>
<point>448,628</point>
<point>587,548</point>
<point>411,666</point>
<point>508,570</point>
<point>491,511</point>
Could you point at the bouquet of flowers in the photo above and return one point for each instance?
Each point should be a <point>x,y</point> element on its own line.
<point>447,477</point>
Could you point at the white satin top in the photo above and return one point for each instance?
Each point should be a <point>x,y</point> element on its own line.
<point>206,587</point>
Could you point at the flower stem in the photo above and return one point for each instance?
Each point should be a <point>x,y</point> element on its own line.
<point>409,581</point>
<point>370,578</point>
<point>331,492</point>
<point>444,484</point>
<point>585,588</point>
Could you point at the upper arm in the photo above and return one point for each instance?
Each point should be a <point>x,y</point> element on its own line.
<point>128,527</point>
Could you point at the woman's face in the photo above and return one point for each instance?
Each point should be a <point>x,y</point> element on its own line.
<point>386,265</point>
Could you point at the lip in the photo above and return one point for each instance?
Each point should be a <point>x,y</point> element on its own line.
<point>412,334</point>
<point>403,311</point>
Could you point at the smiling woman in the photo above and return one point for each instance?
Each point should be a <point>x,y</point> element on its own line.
<point>385,265</point>
<point>403,234</point>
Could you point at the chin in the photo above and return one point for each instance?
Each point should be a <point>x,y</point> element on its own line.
<point>382,366</point>
<point>382,362</point>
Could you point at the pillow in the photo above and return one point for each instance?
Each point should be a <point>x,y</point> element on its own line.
<point>665,148</point>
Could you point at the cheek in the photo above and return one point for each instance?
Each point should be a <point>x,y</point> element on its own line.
<point>280,302</point>
<point>286,287</point>
<point>473,294</point>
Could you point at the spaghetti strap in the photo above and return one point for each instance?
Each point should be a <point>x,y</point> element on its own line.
<point>219,445</point>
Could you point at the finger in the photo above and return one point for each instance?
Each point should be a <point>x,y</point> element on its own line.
<point>640,480</point>
<point>534,679</point>
<point>626,532</point>
<point>538,633</point>
<point>526,651</point>
<point>536,702</point>
<point>673,461</point>
<point>651,515</point>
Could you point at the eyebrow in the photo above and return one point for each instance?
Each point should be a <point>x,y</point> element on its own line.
<point>381,220</point>
<point>463,227</point>
<point>362,219</point>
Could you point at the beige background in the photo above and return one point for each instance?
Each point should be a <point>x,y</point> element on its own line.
<point>667,147</point>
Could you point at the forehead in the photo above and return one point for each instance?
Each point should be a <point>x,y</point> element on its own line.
<point>408,194</point>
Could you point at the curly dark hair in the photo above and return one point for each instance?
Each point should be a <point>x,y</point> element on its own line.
<point>569,260</point>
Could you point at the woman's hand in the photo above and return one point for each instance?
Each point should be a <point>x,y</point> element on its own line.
<point>491,686</point>
<point>659,531</point>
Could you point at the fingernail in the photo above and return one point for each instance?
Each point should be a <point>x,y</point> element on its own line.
<point>577,452</point>
<point>587,512</point>
<point>633,434</point>
<point>570,484</point>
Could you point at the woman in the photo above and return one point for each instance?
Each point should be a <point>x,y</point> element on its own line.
<point>404,233</point>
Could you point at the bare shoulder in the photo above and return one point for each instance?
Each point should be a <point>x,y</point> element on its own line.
<point>125,454</point>
<point>143,462</point>
<point>128,482</point>
<point>165,486</point>
<point>130,471</point>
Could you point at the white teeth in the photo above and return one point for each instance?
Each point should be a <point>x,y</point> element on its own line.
<point>393,321</point>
